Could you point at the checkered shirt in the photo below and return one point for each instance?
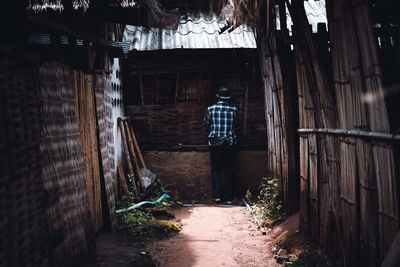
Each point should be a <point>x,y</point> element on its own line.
<point>221,120</point>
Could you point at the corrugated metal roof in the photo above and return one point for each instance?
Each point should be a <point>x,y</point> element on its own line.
<point>198,30</point>
<point>315,11</point>
<point>45,39</point>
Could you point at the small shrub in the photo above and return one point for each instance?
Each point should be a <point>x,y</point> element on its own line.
<point>268,206</point>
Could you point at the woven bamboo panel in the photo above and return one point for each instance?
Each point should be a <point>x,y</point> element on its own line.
<point>349,201</point>
<point>64,170</point>
<point>23,226</point>
<point>168,126</point>
<point>104,116</point>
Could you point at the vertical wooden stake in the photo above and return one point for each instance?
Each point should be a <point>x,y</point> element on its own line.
<point>141,85</point>
<point>246,109</point>
<point>157,88</point>
<point>176,88</point>
<point>199,88</point>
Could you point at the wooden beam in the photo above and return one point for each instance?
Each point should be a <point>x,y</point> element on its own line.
<point>61,29</point>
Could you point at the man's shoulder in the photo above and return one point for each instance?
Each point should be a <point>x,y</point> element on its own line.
<point>213,107</point>
<point>222,106</point>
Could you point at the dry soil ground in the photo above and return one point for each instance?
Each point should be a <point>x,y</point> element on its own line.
<point>214,236</point>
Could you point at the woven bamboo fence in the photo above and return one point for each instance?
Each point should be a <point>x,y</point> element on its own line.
<point>279,119</point>
<point>64,170</point>
<point>348,188</point>
<point>105,123</point>
<point>368,171</point>
<point>86,110</point>
<point>23,226</point>
<point>167,126</point>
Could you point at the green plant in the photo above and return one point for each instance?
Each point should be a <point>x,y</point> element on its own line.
<point>159,188</point>
<point>135,217</point>
<point>248,195</point>
<point>269,205</point>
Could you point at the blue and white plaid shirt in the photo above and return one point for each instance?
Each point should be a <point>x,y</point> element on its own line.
<point>221,120</point>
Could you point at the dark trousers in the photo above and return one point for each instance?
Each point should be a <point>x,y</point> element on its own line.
<point>223,157</point>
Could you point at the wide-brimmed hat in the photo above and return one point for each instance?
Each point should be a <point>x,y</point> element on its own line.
<point>224,93</point>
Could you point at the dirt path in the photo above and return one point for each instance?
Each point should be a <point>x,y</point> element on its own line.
<point>214,236</point>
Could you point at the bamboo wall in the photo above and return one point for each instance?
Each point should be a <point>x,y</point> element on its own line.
<point>174,103</point>
<point>280,114</point>
<point>46,209</point>
<point>64,170</point>
<point>348,186</point>
<point>106,141</point>
<point>23,204</point>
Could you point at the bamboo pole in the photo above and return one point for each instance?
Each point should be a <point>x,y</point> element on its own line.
<point>133,155</point>
<point>123,181</point>
<point>125,146</point>
<point>354,133</point>
<point>136,145</point>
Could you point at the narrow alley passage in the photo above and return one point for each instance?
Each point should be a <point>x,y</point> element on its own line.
<point>215,236</point>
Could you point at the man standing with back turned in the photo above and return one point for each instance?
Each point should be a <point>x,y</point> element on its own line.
<point>221,120</point>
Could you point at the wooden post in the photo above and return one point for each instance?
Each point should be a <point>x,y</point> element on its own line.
<point>176,88</point>
<point>199,88</point>
<point>157,88</point>
<point>141,85</point>
<point>282,15</point>
<point>246,108</point>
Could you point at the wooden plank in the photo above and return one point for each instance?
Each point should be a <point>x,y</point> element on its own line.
<point>87,125</point>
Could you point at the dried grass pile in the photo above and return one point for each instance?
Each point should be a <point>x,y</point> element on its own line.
<point>243,12</point>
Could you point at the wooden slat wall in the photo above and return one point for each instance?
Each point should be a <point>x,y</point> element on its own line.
<point>175,105</point>
<point>85,106</point>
